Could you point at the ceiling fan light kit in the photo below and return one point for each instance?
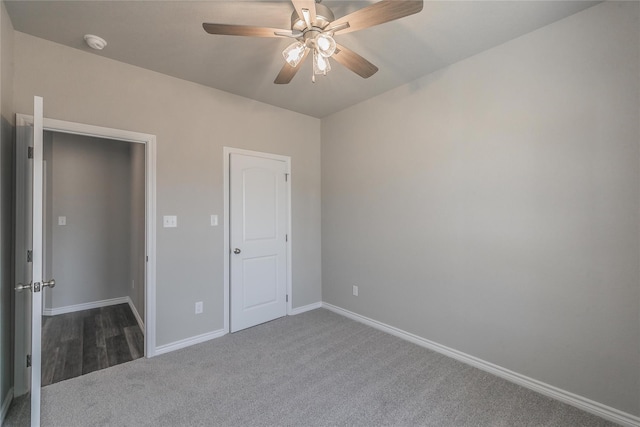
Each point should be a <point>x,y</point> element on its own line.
<point>294,53</point>
<point>314,26</point>
<point>325,44</point>
<point>321,65</point>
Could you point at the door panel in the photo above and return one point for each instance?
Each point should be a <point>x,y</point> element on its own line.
<point>29,227</point>
<point>260,208</point>
<point>23,273</point>
<point>36,265</point>
<point>259,281</point>
<point>258,227</point>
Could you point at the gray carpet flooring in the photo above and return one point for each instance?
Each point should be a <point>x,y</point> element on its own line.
<point>314,369</point>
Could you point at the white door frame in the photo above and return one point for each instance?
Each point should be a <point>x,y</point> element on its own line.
<point>227,151</point>
<point>149,142</point>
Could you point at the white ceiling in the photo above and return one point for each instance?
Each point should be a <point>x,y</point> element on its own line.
<point>167,36</point>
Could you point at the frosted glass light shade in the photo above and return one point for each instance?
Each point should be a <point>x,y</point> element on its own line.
<point>321,64</point>
<point>294,53</point>
<point>326,45</point>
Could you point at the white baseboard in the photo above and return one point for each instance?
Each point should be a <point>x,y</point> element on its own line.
<point>136,314</point>
<point>85,306</point>
<point>567,397</point>
<point>177,345</point>
<point>221,332</point>
<point>5,405</point>
<point>308,307</point>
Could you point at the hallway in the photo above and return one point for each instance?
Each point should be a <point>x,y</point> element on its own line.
<point>75,344</point>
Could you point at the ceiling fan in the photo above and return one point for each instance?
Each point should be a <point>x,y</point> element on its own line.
<point>313,27</point>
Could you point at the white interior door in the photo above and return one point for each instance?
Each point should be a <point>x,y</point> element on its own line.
<point>258,240</point>
<point>29,224</point>
<point>37,221</point>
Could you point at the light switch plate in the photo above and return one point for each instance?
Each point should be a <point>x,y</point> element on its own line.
<point>170,221</point>
<point>214,220</point>
<point>62,220</point>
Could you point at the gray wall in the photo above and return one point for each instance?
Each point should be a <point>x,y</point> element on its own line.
<point>91,184</point>
<point>192,124</point>
<point>492,206</point>
<point>6,204</point>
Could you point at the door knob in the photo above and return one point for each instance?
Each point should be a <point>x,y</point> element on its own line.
<point>20,287</point>
<point>236,251</point>
<point>51,283</point>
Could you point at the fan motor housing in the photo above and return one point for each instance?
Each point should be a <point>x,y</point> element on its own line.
<point>324,17</point>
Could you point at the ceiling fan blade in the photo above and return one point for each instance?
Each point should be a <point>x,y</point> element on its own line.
<point>287,73</point>
<point>245,30</point>
<point>354,62</point>
<point>310,6</point>
<point>378,13</point>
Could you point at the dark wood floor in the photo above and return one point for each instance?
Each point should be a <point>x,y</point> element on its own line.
<point>77,343</point>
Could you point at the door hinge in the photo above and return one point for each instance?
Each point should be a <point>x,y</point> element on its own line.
<point>286,237</point>
<point>147,258</point>
<point>29,152</point>
<point>287,299</point>
<point>286,177</point>
<point>28,360</point>
<point>29,256</point>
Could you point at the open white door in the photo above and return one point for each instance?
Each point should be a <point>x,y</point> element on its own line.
<point>36,265</point>
<point>29,227</point>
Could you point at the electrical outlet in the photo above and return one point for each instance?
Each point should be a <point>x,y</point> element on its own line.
<point>62,220</point>
<point>214,220</point>
<point>199,307</point>
<point>355,291</point>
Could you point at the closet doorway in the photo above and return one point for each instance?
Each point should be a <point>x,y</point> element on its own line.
<point>94,238</point>
<point>99,239</point>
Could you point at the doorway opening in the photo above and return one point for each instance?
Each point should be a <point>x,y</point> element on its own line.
<point>134,308</point>
<point>93,245</point>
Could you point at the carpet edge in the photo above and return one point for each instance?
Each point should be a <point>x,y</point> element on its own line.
<point>187,342</point>
<point>580,402</point>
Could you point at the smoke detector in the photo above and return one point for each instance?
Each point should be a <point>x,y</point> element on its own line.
<point>95,42</point>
